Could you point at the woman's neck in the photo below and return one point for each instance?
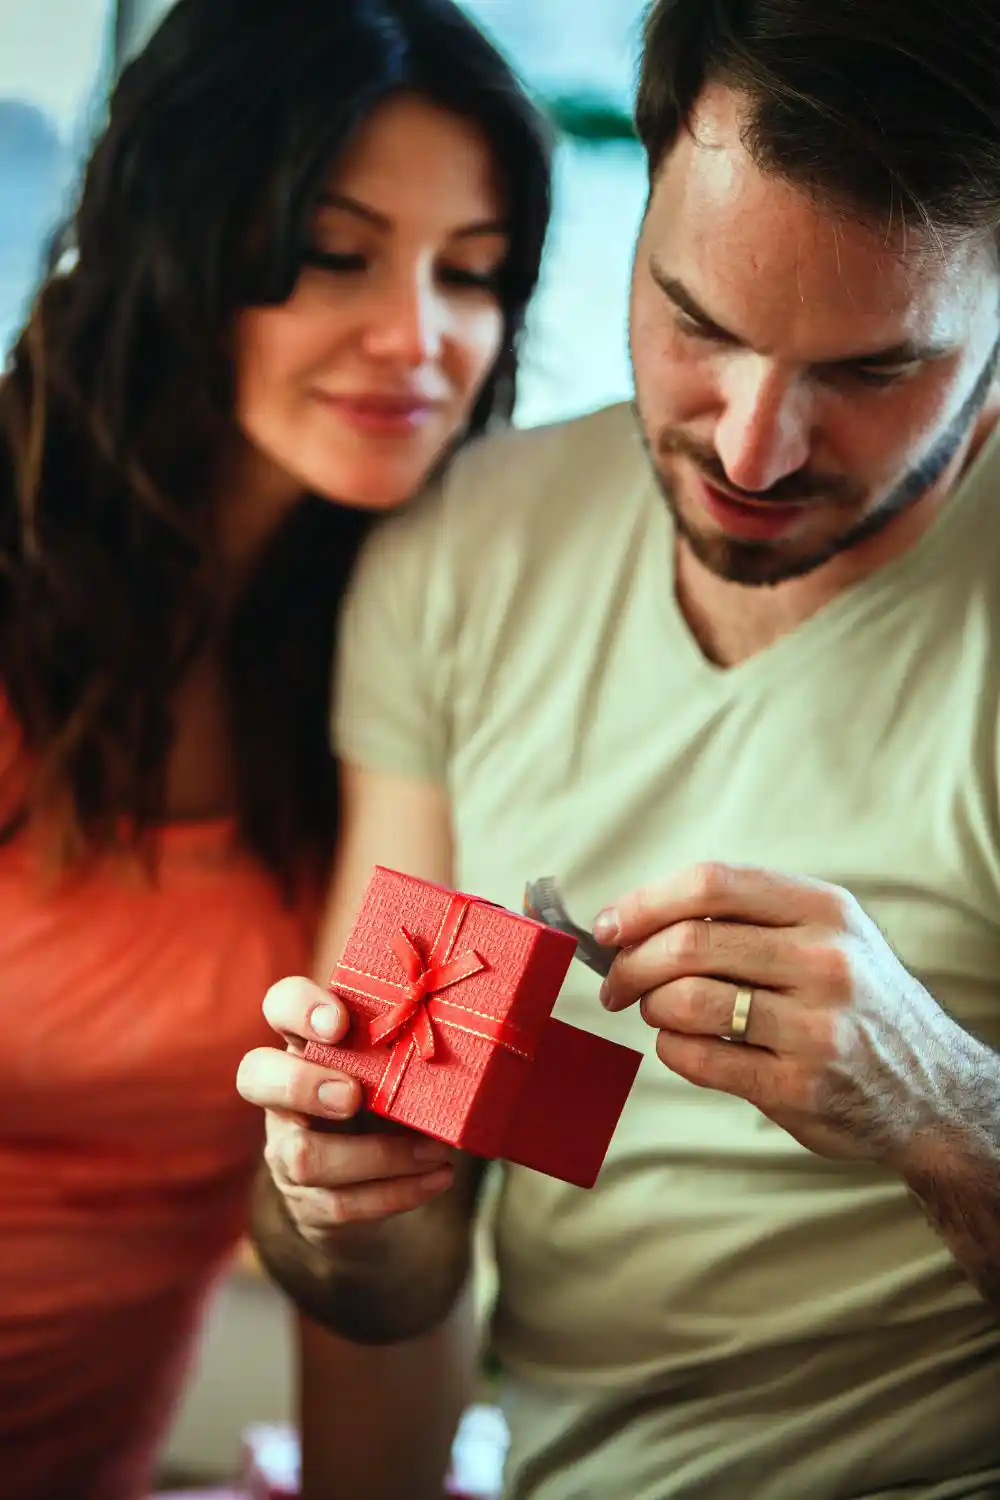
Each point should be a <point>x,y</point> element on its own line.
<point>254,497</point>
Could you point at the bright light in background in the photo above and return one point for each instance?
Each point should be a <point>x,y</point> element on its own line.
<point>52,55</point>
<point>576,354</point>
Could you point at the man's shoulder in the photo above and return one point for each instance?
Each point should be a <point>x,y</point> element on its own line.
<point>511,499</point>
<point>576,452</point>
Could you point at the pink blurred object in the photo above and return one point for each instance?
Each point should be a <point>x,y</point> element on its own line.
<point>478,1455</point>
<point>271,1460</point>
<point>223,1494</point>
<point>271,1468</point>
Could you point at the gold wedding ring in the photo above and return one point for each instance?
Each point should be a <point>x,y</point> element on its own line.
<point>741,1014</point>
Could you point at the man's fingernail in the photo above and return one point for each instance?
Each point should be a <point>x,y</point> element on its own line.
<point>605,994</point>
<point>336,1095</point>
<point>607,927</point>
<point>325,1021</point>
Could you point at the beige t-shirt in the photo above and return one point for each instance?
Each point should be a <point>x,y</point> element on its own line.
<point>724,1315</point>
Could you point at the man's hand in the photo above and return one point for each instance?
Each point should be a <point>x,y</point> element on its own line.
<point>843,1047</point>
<point>331,1177</point>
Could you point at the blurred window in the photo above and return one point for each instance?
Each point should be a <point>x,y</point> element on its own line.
<point>55,64</point>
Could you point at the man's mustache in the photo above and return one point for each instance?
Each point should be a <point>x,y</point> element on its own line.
<point>797,488</point>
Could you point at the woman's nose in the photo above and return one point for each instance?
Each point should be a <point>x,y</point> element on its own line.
<point>406,323</point>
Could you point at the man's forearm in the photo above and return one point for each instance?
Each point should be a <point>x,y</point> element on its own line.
<point>956,1177</point>
<point>371,1283</point>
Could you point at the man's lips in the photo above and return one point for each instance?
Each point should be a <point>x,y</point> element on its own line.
<point>750,520</point>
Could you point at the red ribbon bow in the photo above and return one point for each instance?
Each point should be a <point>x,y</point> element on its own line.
<point>424,982</point>
<point>416,1008</point>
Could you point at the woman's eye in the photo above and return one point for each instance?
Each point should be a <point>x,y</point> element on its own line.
<point>484,281</point>
<point>332,260</point>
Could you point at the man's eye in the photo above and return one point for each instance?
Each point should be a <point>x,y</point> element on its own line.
<point>882,375</point>
<point>332,260</point>
<point>704,331</point>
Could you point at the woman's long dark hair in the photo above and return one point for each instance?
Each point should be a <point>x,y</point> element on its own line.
<point>119,398</point>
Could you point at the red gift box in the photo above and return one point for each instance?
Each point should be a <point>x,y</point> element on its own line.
<point>452,1032</point>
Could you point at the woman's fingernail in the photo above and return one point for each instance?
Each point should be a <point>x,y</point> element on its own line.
<point>430,1153</point>
<point>325,1022</point>
<point>607,927</point>
<point>336,1095</point>
<point>436,1182</point>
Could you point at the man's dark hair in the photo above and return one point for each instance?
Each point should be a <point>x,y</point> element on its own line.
<point>889,109</point>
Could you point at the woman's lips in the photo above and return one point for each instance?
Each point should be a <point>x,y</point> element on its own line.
<point>388,416</point>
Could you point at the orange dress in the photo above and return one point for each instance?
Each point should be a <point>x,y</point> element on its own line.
<point>126,1154</point>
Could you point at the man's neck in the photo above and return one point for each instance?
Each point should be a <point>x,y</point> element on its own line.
<point>732,622</point>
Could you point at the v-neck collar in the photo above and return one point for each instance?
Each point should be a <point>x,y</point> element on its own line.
<point>849,608</point>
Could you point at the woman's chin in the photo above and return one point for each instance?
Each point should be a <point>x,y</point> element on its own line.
<point>377,490</point>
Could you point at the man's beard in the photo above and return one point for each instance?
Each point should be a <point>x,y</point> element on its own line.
<point>758,563</point>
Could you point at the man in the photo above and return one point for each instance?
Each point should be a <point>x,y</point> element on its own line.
<point>745,669</point>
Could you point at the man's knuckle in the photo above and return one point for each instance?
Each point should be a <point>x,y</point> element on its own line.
<point>689,999</point>
<point>821,1035</point>
<point>709,880</point>
<point>831,966</point>
<point>637,907</point>
<point>688,941</point>
<point>842,909</point>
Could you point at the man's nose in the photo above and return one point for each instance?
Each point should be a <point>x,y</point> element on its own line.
<point>764,432</point>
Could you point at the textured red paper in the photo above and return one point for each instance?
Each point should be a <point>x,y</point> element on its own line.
<point>567,1111</point>
<point>546,1095</point>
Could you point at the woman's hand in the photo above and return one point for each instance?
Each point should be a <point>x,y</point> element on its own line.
<point>330,1166</point>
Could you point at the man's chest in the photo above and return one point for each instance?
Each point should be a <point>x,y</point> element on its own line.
<point>889,794</point>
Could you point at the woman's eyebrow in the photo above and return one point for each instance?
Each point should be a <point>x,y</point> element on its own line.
<point>481,229</point>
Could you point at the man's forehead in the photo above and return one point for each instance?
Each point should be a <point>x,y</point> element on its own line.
<point>749,237</point>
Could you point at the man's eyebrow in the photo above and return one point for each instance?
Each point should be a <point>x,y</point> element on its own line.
<point>906,352</point>
<point>676,292</point>
<point>480,230</point>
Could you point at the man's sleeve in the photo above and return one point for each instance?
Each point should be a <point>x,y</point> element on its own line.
<point>390,685</point>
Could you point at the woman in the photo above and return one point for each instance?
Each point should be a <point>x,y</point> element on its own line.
<point>301,260</point>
